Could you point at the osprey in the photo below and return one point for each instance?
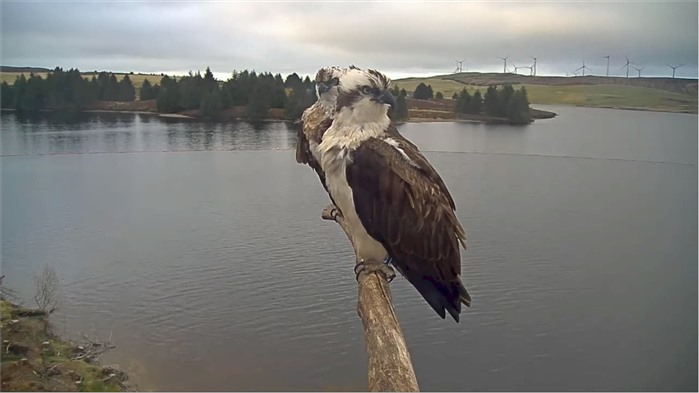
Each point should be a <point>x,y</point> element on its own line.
<point>397,206</point>
<point>317,118</point>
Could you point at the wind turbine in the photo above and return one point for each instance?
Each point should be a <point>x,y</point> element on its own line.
<point>458,66</point>
<point>504,67</point>
<point>516,68</point>
<point>626,66</point>
<point>583,68</point>
<point>533,67</point>
<point>639,70</point>
<point>674,68</point>
<point>607,57</point>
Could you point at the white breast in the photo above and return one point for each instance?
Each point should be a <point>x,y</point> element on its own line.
<point>336,152</point>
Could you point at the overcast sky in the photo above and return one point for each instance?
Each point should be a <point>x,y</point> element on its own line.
<point>401,39</point>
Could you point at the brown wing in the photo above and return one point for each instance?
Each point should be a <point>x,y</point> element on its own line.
<point>314,123</point>
<point>407,208</point>
<point>416,156</point>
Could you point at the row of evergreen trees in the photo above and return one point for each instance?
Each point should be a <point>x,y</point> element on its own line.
<point>504,102</point>
<point>64,90</point>
<point>400,111</point>
<point>258,93</point>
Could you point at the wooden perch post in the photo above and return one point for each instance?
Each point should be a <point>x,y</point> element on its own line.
<point>390,367</point>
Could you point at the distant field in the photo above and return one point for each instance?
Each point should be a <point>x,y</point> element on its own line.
<point>592,95</point>
<point>10,77</point>
<point>136,79</point>
<point>447,87</point>
<point>613,96</point>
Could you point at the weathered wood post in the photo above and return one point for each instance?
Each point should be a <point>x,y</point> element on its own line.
<point>390,367</point>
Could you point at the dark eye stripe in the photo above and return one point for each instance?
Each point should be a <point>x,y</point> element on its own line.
<point>347,98</point>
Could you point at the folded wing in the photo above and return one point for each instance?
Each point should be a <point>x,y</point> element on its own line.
<point>403,203</point>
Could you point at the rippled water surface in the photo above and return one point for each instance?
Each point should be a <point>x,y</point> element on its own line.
<point>200,247</point>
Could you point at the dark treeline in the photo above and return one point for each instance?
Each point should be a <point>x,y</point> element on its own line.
<point>148,91</point>
<point>258,93</point>
<point>504,102</point>
<point>261,95</point>
<point>400,112</point>
<point>64,90</point>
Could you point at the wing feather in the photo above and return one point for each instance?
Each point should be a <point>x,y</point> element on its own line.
<point>405,205</point>
<point>314,123</point>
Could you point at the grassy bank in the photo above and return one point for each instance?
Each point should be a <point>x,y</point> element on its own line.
<point>35,359</point>
<point>652,94</point>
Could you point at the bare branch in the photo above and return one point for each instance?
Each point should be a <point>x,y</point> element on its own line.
<point>46,296</point>
<point>390,366</point>
<point>91,349</point>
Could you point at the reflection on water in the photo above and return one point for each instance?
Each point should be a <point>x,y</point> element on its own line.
<point>71,133</point>
<point>577,132</point>
<point>214,271</point>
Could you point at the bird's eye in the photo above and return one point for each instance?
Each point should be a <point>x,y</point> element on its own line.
<point>335,81</point>
<point>366,89</point>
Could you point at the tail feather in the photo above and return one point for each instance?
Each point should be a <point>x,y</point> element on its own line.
<point>463,294</point>
<point>441,298</point>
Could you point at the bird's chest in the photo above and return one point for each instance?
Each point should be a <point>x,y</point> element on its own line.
<point>334,162</point>
<point>336,150</point>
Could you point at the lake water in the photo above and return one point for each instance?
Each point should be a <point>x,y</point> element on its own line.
<point>200,247</point>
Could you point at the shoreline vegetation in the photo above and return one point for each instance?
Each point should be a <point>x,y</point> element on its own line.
<point>254,97</point>
<point>34,358</point>
<point>246,95</point>
<point>418,115</point>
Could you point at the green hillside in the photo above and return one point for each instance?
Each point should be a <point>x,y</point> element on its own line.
<point>654,94</point>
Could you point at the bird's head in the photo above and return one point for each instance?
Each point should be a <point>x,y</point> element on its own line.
<point>327,80</point>
<point>365,93</point>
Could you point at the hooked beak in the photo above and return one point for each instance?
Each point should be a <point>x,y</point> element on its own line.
<point>322,87</point>
<point>386,98</point>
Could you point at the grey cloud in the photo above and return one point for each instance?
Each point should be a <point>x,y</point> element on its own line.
<point>395,37</point>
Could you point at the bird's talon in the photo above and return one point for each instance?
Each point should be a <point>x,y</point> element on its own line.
<point>358,268</point>
<point>374,267</point>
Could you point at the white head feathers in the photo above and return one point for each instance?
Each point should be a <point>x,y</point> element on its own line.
<point>355,78</point>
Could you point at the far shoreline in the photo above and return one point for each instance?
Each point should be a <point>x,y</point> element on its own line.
<point>476,120</point>
<point>479,120</point>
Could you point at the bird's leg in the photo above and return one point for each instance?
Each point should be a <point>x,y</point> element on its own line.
<point>382,267</point>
